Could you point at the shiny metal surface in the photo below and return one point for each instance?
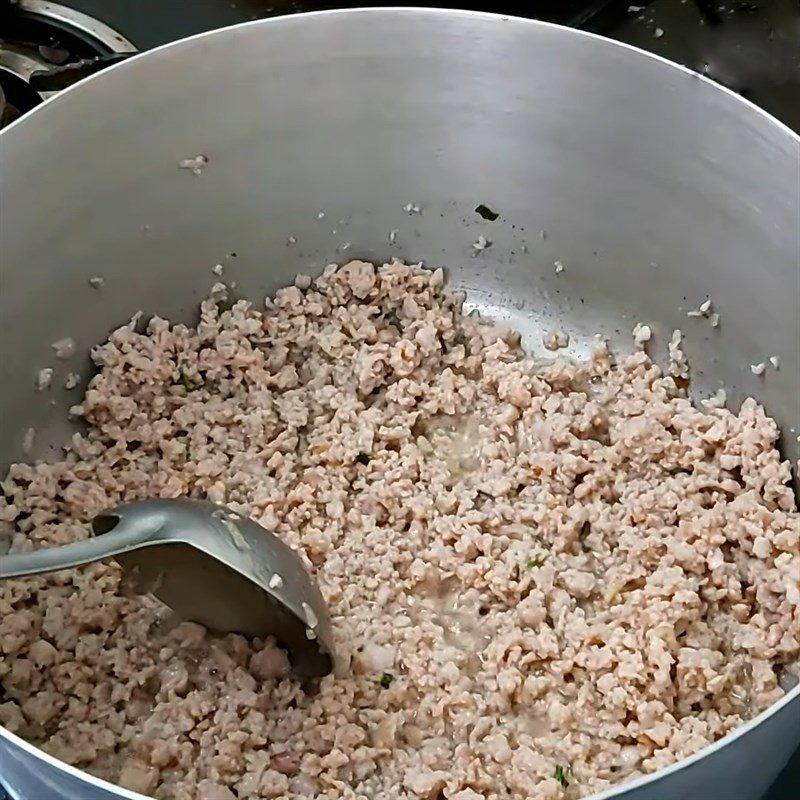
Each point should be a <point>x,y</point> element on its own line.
<point>210,565</point>
<point>655,187</point>
<point>73,19</point>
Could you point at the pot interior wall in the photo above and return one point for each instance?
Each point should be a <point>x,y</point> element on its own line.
<point>654,188</point>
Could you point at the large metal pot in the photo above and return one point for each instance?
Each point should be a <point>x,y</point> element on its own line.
<point>655,187</point>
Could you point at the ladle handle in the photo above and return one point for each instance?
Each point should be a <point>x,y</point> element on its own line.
<point>115,532</point>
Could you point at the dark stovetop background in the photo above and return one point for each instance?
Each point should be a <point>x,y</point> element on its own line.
<point>752,47</point>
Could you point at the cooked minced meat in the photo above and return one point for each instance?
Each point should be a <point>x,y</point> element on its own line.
<point>544,577</point>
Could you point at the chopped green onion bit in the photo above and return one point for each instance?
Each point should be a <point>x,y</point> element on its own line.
<point>386,680</point>
<point>561,774</point>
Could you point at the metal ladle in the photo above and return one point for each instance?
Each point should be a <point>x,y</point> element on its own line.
<point>212,566</point>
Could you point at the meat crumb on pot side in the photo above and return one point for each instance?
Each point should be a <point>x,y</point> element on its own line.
<point>545,576</point>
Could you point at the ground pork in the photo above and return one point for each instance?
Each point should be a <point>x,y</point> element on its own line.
<point>545,577</point>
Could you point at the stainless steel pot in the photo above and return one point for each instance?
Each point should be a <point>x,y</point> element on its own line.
<point>655,187</point>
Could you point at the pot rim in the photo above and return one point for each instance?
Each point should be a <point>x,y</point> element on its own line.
<point>284,19</point>
<point>793,695</point>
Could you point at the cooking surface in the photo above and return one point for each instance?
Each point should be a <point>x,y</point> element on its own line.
<point>751,47</point>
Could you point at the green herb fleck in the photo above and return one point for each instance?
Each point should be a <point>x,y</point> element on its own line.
<point>487,212</point>
<point>561,774</point>
<point>187,383</point>
<point>363,458</point>
<point>534,563</point>
<point>391,318</point>
<point>386,680</point>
